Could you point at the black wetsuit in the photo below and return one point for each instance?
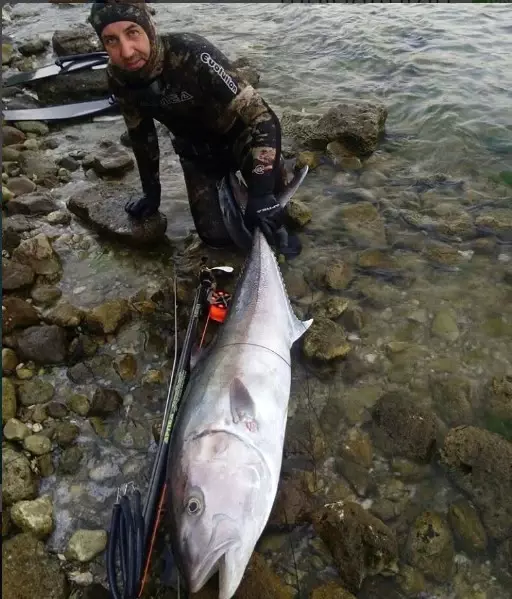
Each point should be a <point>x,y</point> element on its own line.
<point>219,123</point>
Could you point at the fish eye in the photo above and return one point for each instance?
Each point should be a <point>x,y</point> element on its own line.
<point>194,506</point>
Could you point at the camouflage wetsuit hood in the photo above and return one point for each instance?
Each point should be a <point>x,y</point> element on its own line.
<point>219,121</point>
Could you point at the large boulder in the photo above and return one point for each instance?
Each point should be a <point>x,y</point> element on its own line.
<point>358,126</point>
<point>108,217</point>
<point>80,39</point>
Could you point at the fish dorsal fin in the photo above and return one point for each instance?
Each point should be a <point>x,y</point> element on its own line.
<point>242,405</point>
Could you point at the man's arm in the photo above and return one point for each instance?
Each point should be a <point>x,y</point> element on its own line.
<point>218,78</point>
<point>144,140</point>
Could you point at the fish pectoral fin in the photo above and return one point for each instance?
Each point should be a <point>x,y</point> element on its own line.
<point>242,404</point>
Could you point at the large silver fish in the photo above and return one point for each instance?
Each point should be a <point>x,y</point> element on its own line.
<point>226,447</point>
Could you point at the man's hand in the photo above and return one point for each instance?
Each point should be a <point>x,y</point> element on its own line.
<point>144,207</point>
<point>266,213</point>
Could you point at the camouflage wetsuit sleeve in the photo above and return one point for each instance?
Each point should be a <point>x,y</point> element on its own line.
<point>144,140</point>
<point>219,80</point>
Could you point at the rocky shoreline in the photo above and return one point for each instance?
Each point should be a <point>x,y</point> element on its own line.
<point>391,489</point>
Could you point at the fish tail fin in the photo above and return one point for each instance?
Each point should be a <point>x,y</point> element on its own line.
<point>298,327</point>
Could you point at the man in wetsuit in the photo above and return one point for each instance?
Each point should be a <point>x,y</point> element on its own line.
<point>220,123</point>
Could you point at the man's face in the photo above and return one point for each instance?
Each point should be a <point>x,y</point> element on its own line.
<point>127,45</point>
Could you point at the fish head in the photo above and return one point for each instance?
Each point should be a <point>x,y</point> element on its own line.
<point>219,508</point>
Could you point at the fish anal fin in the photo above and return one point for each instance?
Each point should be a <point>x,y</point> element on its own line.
<point>242,405</point>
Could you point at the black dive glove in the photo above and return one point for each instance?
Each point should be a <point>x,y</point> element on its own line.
<point>267,214</point>
<point>264,212</point>
<point>143,207</point>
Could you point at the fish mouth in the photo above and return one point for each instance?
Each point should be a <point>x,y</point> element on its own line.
<point>208,566</point>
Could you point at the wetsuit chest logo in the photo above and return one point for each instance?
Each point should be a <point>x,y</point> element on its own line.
<point>175,98</point>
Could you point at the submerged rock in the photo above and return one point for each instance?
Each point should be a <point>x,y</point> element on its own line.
<point>85,545</point>
<point>37,252</point>
<point>361,545</point>
<point>331,590</point>
<point>17,313</point>
<point>43,344</point>
<point>496,222</point>
<point>35,392</point>
<point>32,203</point>
<point>478,462</point>
<point>108,217</point>
<point>358,126</point>
<point>325,340</point>
<point>430,547</point>
<point>108,317</point>
<point>363,224</point>
<point>400,427</point>
<point>18,480</point>
<point>9,404</point>
<point>468,527</point>
<point>34,516</point>
<point>29,571</point>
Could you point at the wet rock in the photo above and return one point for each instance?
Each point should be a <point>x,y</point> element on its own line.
<point>132,435</point>
<point>32,203</point>
<point>111,162</point>
<point>467,526</point>
<point>45,295</point>
<point>33,47</point>
<point>443,255</point>
<point>452,398</point>
<point>65,315</point>
<point>108,317</point>
<point>9,360</point>
<point>57,410</point>
<point>80,374</point>
<point>504,562</point>
<point>356,475</point>
<point>311,159</point>
<point>332,307</point>
<point>44,577</point>
<point>12,136</point>
<point>105,401</point>
<point>153,377</point>
<point>37,252</point>
<point>35,127</point>
<point>331,590</point>
<point>15,275</point>
<point>400,427</point>
<point>34,516</point>
<point>246,71</point>
<point>298,214</point>
<point>10,154</point>
<point>444,325</point>
<point>7,52</point>
<point>77,40</point>
<point>496,222</point>
<point>499,404</point>
<point>108,217</point>
<point>79,404</point>
<point>294,503</point>
<point>14,430</point>
<point>478,462</point>
<point>338,276</point>
<point>66,433</point>
<point>357,126</point>
<point>325,341</point>
<point>361,545</point>
<point>343,157</point>
<point>20,186</point>
<point>9,405</point>
<point>363,224</point>
<point>70,460</point>
<point>7,195</point>
<point>69,163</point>
<point>37,444</point>
<point>18,480</point>
<point>430,547</point>
<point>393,498</point>
<point>82,347</point>
<point>454,222</point>
<point>356,446</point>
<point>58,217</point>
<point>17,313</point>
<point>37,165</point>
<point>126,367</point>
<point>45,344</point>
<point>411,581</point>
<point>85,545</point>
